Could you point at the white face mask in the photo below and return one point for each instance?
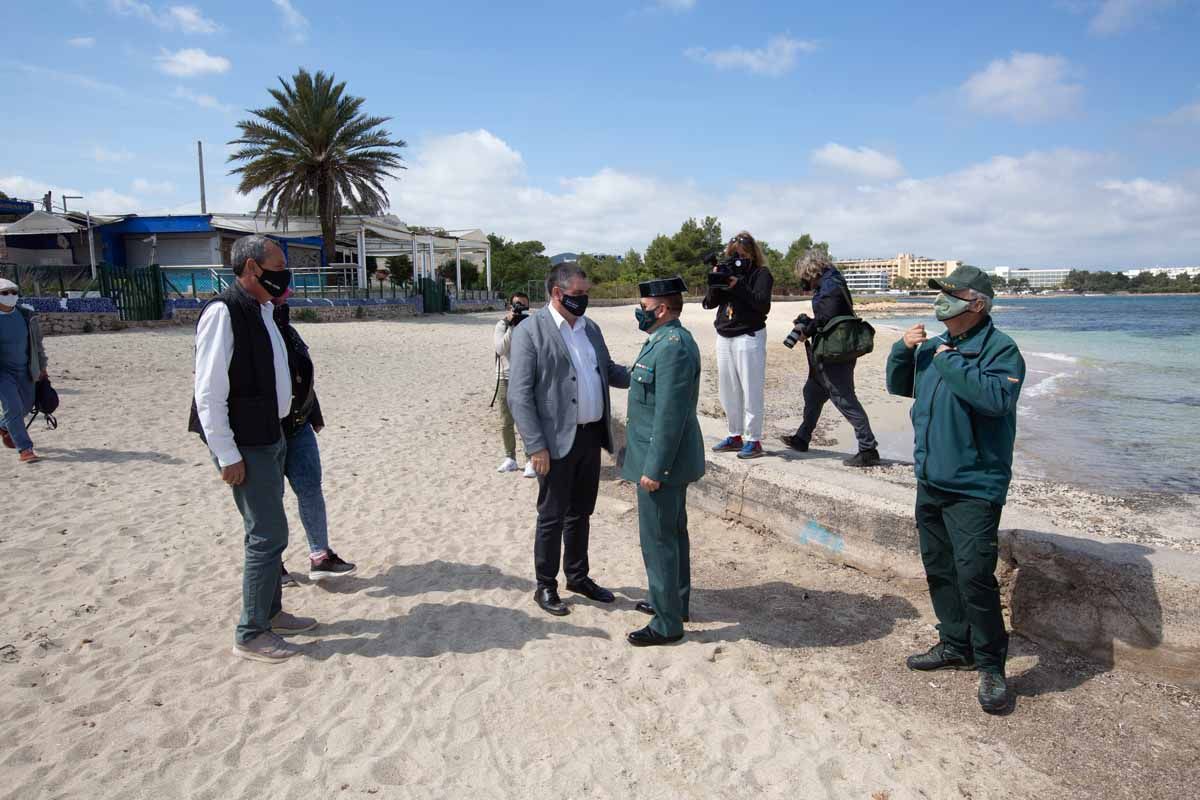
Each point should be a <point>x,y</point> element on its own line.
<point>8,300</point>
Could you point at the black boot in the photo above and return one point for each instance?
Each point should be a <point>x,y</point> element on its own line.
<point>938,658</point>
<point>994,697</point>
<point>795,442</point>
<point>863,458</point>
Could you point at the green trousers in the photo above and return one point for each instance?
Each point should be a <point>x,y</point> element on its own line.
<point>958,536</point>
<point>508,433</point>
<point>666,551</point>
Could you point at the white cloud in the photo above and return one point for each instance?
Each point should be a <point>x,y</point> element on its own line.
<point>82,41</point>
<point>863,161</point>
<point>143,186</point>
<point>676,5</point>
<point>1115,16</point>
<point>190,62</point>
<point>201,99</point>
<point>190,20</point>
<point>777,58</point>
<point>1185,115</point>
<point>296,23</point>
<point>1026,87</point>
<point>104,155</point>
<point>104,200</point>
<point>1061,207</point>
<point>187,19</point>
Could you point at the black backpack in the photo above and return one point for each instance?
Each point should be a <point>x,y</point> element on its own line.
<point>45,402</point>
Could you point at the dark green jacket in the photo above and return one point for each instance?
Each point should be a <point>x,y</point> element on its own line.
<point>964,412</point>
<point>663,439</point>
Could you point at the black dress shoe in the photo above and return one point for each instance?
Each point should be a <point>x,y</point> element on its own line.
<point>646,608</point>
<point>647,637</point>
<point>547,598</point>
<point>592,591</point>
<point>863,458</point>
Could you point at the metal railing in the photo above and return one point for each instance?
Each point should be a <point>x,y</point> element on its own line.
<point>328,283</point>
<point>47,280</point>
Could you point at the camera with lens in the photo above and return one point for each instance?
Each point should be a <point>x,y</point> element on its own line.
<point>798,325</point>
<point>519,312</point>
<point>725,269</point>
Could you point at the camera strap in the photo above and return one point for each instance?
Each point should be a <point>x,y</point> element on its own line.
<point>496,393</point>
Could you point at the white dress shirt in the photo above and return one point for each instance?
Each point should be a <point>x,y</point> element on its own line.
<point>589,397</point>
<point>214,353</point>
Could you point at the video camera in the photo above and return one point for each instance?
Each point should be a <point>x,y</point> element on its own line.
<point>725,268</point>
<point>519,312</point>
<point>798,326</point>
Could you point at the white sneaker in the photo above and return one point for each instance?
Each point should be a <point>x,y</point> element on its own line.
<point>530,472</point>
<point>508,465</point>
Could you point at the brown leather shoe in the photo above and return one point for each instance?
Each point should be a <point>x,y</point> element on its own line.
<point>28,456</point>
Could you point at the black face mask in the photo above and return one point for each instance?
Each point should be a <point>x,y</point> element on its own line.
<point>576,304</point>
<point>276,282</point>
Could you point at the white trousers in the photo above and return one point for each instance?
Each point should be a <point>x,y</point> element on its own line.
<point>742,371</point>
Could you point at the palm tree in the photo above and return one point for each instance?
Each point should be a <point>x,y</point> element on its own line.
<point>314,150</point>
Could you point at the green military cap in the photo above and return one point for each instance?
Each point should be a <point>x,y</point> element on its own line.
<point>965,277</point>
<point>661,287</point>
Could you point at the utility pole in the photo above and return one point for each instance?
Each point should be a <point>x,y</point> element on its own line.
<point>200,156</point>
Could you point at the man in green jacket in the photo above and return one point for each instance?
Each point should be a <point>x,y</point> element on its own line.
<point>965,384</point>
<point>664,452</point>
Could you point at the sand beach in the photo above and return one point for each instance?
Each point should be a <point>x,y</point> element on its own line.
<point>433,674</point>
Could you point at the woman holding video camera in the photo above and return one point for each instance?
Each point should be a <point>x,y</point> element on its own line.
<point>828,381</point>
<point>740,289</point>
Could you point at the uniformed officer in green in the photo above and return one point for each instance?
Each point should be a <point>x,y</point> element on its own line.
<point>965,385</point>
<point>664,452</point>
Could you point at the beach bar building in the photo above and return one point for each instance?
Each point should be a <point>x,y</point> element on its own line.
<point>200,243</point>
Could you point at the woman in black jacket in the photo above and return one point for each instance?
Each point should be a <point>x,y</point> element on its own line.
<point>827,381</point>
<point>742,307</point>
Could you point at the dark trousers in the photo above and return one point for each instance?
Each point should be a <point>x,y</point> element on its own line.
<point>259,498</point>
<point>833,382</point>
<point>958,536</point>
<point>666,551</point>
<point>566,500</point>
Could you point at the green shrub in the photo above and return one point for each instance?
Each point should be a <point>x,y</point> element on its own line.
<point>308,315</point>
<point>360,312</point>
<point>88,327</point>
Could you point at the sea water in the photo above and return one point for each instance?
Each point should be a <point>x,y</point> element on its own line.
<point>1111,400</point>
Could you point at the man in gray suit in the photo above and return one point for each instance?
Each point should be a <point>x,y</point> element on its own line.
<point>559,374</point>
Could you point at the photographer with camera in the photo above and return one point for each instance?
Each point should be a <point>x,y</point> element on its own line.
<point>518,310</point>
<point>739,287</point>
<point>828,380</point>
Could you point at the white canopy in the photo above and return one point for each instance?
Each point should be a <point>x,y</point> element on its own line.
<point>39,223</point>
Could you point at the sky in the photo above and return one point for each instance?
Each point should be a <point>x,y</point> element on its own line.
<point>1057,133</point>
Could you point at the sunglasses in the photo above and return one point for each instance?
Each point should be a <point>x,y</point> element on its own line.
<point>741,240</point>
<point>8,291</point>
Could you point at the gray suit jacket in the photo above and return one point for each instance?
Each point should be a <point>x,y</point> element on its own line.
<point>542,389</point>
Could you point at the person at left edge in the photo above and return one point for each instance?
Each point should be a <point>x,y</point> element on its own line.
<point>559,374</point>
<point>22,365</point>
<point>302,467</point>
<point>242,393</point>
<point>664,452</point>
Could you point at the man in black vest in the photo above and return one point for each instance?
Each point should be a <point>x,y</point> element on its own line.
<point>242,392</point>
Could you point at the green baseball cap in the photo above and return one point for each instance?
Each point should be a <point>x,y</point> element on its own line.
<point>965,277</point>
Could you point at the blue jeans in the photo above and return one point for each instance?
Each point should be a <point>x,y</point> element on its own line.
<point>260,500</point>
<point>303,472</point>
<point>16,400</point>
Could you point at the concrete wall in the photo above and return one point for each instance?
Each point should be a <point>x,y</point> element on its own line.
<point>1115,603</point>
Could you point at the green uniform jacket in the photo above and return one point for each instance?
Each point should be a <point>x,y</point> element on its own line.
<point>663,439</point>
<point>964,413</point>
